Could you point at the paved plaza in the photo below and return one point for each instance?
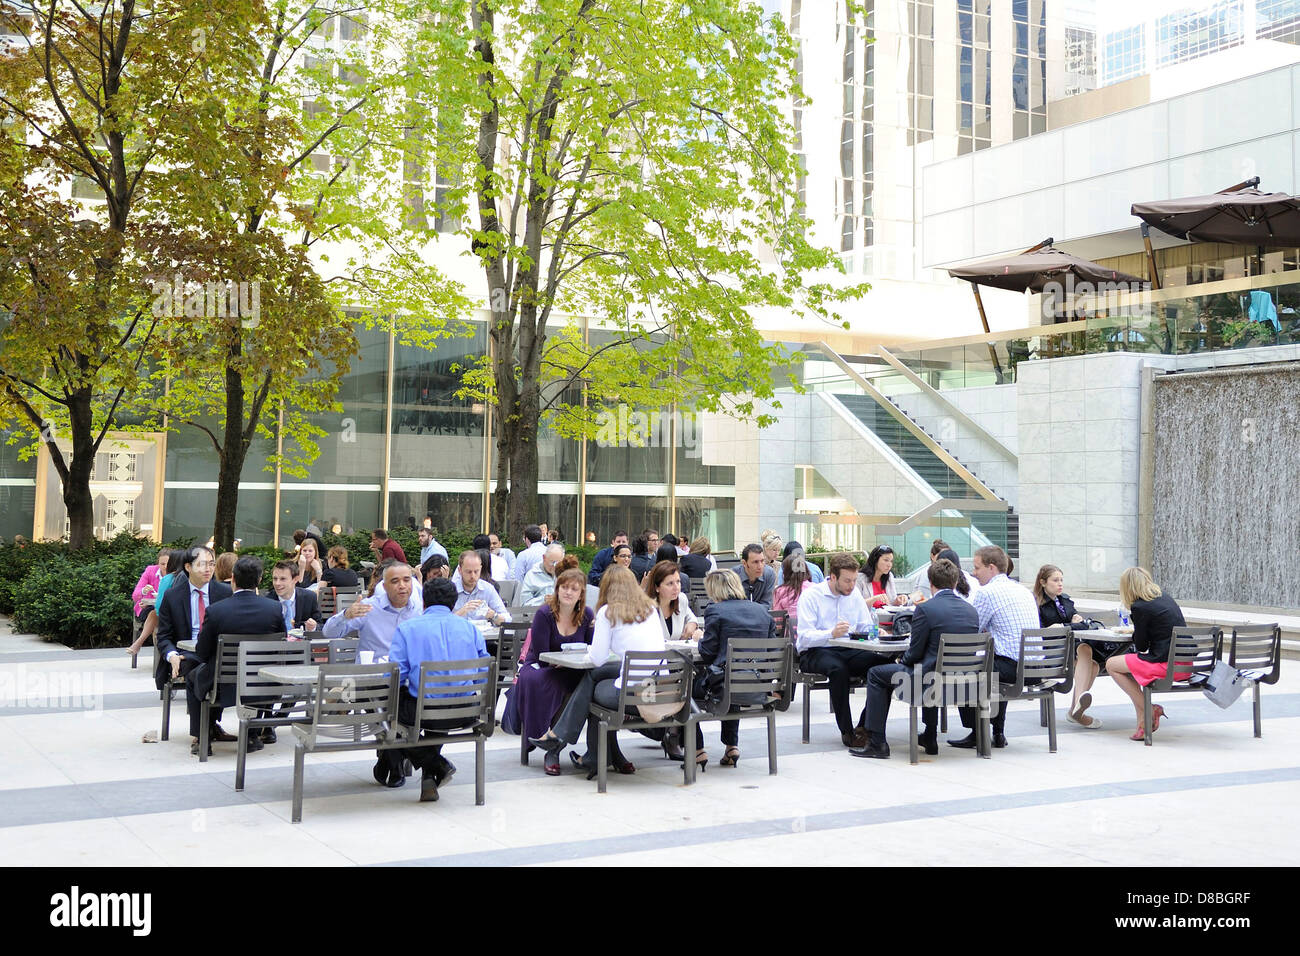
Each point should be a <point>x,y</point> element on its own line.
<point>81,788</point>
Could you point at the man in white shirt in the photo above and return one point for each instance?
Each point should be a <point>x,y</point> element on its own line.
<point>541,579</point>
<point>531,556</point>
<point>494,545</point>
<point>475,598</point>
<point>832,609</point>
<point>1005,609</point>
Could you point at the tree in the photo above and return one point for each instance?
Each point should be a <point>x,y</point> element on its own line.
<point>631,164</point>
<point>309,127</point>
<point>88,96</point>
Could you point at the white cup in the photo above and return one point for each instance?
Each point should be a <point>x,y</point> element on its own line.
<point>366,657</point>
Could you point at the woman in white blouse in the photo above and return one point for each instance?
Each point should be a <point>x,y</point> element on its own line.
<point>626,620</point>
<point>663,585</point>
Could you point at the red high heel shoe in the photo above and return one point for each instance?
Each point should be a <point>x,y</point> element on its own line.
<point>1156,713</point>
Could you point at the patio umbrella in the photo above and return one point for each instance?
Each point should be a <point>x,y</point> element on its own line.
<point>1241,215</point>
<point>1032,271</point>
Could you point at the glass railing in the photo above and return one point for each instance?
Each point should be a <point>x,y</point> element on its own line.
<point>1267,313</point>
<point>964,532</point>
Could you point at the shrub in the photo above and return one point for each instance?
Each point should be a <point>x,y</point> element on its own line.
<point>80,603</point>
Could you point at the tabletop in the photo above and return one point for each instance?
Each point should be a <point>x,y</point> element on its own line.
<point>296,634</point>
<point>580,661</point>
<point>877,646</point>
<point>1104,634</point>
<point>290,673</point>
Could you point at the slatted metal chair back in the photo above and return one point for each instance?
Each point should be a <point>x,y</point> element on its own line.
<point>343,650</point>
<point>653,678</point>
<point>509,643</point>
<point>228,670</point>
<point>962,658</point>
<point>259,692</point>
<point>520,613</point>
<point>508,590</point>
<point>327,599</point>
<point>758,673</point>
<point>1045,655</point>
<point>351,702</point>
<point>1192,651</point>
<point>781,623</point>
<point>344,598</point>
<point>1257,647</point>
<point>699,597</point>
<point>457,691</point>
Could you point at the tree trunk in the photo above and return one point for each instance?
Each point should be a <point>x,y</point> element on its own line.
<point>232,453</point>
<point>76,485</point>
<point>522,507</point>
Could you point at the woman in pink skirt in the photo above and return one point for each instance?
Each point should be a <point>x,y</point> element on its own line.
<point>1155,615</point>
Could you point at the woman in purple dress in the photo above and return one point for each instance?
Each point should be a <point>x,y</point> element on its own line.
<point>563,618</point>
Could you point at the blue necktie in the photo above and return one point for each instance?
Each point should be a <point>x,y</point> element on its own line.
<point>288,614</point>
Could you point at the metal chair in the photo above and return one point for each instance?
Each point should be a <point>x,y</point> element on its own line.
<point>349,707</point>
<point>964,668</point>
<point>226,674</point>
<point>509,644</point>
<point>508,590</point>
<point>343,650</point>
<point>757,682</point>
<point>652,679</point>
<point>255,695</point>
<point>699,598</point>
<point>456,703</point>
<point>1192,651</point>
<point>1257,647</point>
<point>811,682</point>
<point>1045,667</point>
<point>781,622</point>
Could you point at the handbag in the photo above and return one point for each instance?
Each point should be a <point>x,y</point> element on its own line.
<point>1224,685</point>
<point>510,718</point>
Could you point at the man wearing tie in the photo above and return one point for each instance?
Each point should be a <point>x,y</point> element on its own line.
<point>298,606</point>
<point>181,614</point>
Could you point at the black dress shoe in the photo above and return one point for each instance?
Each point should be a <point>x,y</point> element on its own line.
<point>969,742</point>
<point>856,740</point>
<point>380,773</point>
<point>873,749</point>
<point>444,770</point>
<point>220,736</point>
<point>428,786</point>
<point>928,743</point>
<point>395,780</point>
<point>548,744</point>
<point>268,735</point>
<point>254,743</point>
<point>194,748</point>
<point>999,741</point>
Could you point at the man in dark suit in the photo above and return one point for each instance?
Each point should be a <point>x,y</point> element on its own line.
<point>298,606</point>
<point>181,613</point>
<point>604,558</point>
<point>945,613</point>
<point>244,613</point>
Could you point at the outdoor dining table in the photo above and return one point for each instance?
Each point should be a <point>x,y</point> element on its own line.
<point>297,634</point>
<point>290,673</point>
<point>581,660</point>
<point>876,646</point>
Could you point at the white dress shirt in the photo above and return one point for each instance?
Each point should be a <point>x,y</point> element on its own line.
<point>820,609</point>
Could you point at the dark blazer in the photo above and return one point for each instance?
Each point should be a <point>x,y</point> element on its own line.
<point>306,608</point>
<point>174,621</point>
<point>945,613</point>
<point>1153,627</point>
<point>696,565</point>
<point>641,563</point>
<point>603,559</point>
<point>724,620</point>
<point>1049,616</point>
<point>762,590</point>
<point>244,613</point>
<point>340,578</point>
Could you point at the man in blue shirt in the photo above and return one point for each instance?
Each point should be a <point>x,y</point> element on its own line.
<point>429,545</point>
<point>604,558</point>
<point>436,635</point>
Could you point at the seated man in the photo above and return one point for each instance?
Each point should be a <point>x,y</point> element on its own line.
<point>476,599</point>
<point>1005,608</point>
<point>298,606</point>
<point>436,635</point>
<point>945,613</point>
<point>758,580</point>
<point>541,580</point>
<point>828,610</point>
<point>604,558</point>
<point>244,612</point>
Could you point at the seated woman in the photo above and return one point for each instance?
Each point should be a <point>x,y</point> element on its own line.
<point>968,584</point>
<point>728,615</point>
<point>622,559</point>
<point>338,574</point>
<point>816,575</point>
<point>663,585</point>
<point>668,553</point>
<point>144,596</point>
<point>643,557</point>
<point>1155,615</point>
<point>174,562</point>
<point>1055,607</point>
<point>796,577</point>
<point>563,618</point>
<point>771,544</point>
<point>310,570</point>
<point>625,621</point>
<point>876,580</point>
<point>225,568</point>
<point>698,563</point>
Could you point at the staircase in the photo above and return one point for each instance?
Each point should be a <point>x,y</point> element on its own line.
<point>1001,529</point>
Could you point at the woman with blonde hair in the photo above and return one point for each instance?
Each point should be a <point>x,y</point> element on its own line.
<point>771,542</point>
<point>625,621</point>
<point>1155,615</point>
<point>337,573</point>
<point>309,565</point>
<point>698,562</point>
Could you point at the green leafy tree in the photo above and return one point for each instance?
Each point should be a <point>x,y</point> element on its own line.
<point>88,97</point>
<point>298,167</point>
<point>630,163</point>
